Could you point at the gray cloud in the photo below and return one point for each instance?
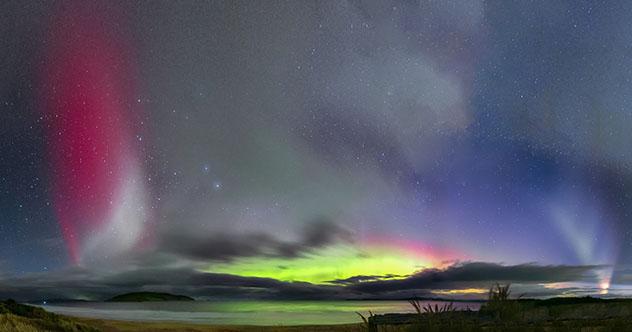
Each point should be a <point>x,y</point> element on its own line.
<point>225,246</point>
<point>359,279</point>
<point>82,283</point>
<point>478,274</point>
<point>78,283</point>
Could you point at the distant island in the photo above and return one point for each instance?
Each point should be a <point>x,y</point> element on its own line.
<point>149,297</point>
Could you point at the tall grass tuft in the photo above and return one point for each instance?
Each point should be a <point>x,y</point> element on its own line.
<point>499,303</point>
<point>365,319</point>
<point>431,318</point>
<point>416,305</point>
<point>499,293</point>
<point>428,309</point>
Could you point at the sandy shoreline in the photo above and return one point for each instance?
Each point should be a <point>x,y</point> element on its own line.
<point>132,326</point>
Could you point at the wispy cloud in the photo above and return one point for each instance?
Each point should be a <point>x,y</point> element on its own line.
<point>219,246</point>
<point>470,274</point>
<point>93,284</point>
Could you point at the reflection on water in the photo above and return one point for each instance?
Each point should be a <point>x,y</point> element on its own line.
<point>240,312</point>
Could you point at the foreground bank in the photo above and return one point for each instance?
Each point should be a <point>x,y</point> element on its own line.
<point>570,314</point>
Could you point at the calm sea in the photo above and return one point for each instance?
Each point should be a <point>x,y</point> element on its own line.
<point>240,312</point>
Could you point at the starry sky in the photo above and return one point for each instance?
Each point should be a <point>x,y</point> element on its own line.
<point>328,149</point>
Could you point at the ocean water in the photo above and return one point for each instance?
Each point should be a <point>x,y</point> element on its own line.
<point>240,312</point>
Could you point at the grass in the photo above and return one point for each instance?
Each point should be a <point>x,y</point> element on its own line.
<point>10,322</point>
<point>22,318</point>
<point>446,308</point>
<point>429,309</point>
<point>500,305</point>
<point>501,312</point>
<point>365,320</point>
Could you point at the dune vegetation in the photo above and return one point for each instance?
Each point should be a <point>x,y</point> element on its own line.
<point>18,317</point>
<point>502,313</point>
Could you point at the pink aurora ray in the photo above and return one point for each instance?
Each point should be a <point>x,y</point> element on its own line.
<point>88,100</point>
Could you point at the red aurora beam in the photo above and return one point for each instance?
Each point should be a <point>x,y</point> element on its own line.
<point>87,97</point>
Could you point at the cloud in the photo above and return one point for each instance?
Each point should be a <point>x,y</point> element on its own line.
<point>319,233</point>
<point>80,283</point>
<point>322,232</point>
<point>358,279</point>
<point>84,283</point>
<point>471,274</point>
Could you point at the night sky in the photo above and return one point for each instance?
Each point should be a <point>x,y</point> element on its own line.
<point>315,149</point>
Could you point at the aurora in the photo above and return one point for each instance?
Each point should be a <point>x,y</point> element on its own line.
<point>347,150</point>
<point>339,262</point>
<point>98,185</point>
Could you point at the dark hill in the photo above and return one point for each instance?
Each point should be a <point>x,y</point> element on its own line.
<point>20,317</point>
<point>149,297</point>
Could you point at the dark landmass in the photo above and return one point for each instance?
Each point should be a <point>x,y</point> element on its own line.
<point>149,297</point>
<point>571,300</point>
<point>584,314</point>
<point>555,314</point>
<point>20,317</point>
<point>433,299</point>
<point>58,300</point>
